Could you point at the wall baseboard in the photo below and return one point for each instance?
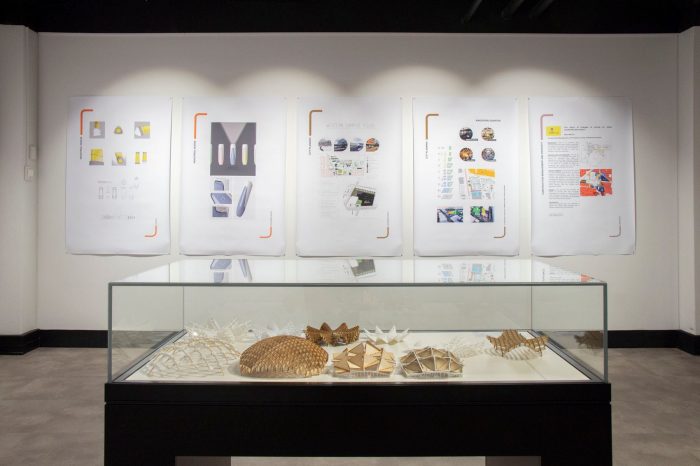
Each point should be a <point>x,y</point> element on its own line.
<point>643,338</point>
<point>21,344</point>
<point>655,339</point>
<point>74,338</point>
<point>689,343</point>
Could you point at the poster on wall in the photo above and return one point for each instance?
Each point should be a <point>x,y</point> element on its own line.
<point>454,270</point>
<point>465,176</point>
<point>233,168</point>
<point>118,175</point>
<point>349,177</point>
<point>582,161</point>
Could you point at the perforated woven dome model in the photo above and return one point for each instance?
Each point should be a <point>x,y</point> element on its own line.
<point>283,356</point>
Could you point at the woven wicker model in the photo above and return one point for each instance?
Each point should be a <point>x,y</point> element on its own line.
<point>364,360</point>
<point>283,356</point>
<point>431,362</point>
<point>324,335</point>
<point>511,339</point>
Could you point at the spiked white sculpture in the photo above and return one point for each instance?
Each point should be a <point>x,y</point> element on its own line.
<point>233,332</point>
<point>273,330</point>
<point>378,337</point>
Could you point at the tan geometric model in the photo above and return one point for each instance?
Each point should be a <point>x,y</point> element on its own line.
<point>283,356</point>
<point>327,336</point>
<point>192,357</point>
<point>364,360</point>
<point>431,362</point>
<point>511,339</point>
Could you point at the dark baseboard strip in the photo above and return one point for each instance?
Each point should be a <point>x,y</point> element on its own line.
<point>21,344</point>
<point>74,338</point>
<point>642,338</point>
<point>655,339</point>
<point>689,343</point>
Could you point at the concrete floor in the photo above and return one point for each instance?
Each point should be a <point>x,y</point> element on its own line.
<point>51,410</point>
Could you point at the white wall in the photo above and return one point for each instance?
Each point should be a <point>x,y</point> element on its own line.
<point>686,179</point>
<point>689,179</point>
<point>18,198</point>
<point>643,292</point>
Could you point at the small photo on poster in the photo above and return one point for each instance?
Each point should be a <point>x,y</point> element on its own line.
<point>219,212</point>
<point>466,134</point>
<point>232,149</point>
<point>488,134</point>
<point>220,184</point>
<point>358,198</point>
<point>238,196</point>
<point>481,183</point>
<point>595,182</point>
<point>97,130</point>
<point>488,154</point>
<point>481,214</point>
<point>333,165</point>
<point>372,145</point>
<point>466,154</point>
<point>450,215</point>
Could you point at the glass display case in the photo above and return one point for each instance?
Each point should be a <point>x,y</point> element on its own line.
<point>429,357</point>
<point>497,320</point>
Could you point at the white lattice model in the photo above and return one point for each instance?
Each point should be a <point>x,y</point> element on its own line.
<point>378,337</point>
<point>194,356</point>
<point>461,348</point>
<point>233,332</point>
<point>273,330</point>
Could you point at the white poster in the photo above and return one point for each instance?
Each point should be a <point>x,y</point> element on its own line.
<point>465,176</point>
<point>233,166</point>
<point>452,270</point>
<point>349,177</point>
<point>582,160</point>
<point>118,175</point>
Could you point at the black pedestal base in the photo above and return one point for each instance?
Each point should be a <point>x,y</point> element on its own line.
<point>563,423</point>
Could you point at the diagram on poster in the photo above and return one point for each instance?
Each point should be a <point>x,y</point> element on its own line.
<point>465,176</point>
<point>118,175</point>
<point>582,159</point>
<point>349,177</point>
<point>233,165</point>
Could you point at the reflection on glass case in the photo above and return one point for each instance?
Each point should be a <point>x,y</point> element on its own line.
<point>444,321</point>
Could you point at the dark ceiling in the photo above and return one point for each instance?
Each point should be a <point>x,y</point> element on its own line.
<point>534,16</point>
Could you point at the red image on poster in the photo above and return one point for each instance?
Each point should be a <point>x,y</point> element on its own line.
<point>596,182</point>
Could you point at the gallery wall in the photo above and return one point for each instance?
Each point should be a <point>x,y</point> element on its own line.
<point>643,291</point>
<point>18,194</point>
<point>688,179</point>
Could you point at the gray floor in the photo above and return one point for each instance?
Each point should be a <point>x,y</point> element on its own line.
<point>51,410</point>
